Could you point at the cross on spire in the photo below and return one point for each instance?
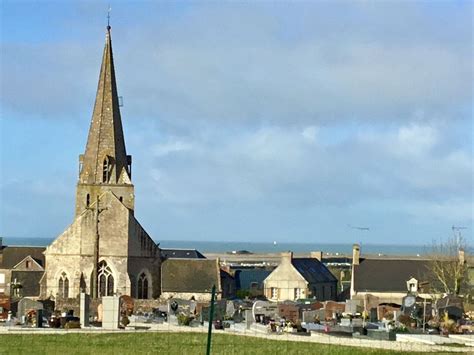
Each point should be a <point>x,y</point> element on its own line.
<point>108,17</point>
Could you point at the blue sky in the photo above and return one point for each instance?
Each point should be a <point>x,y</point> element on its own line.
<point>253,121</point>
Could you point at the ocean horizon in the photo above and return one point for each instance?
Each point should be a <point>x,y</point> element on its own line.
<point>261,247</point>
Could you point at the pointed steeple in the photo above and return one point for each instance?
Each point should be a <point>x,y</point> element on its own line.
<point>105,160</point>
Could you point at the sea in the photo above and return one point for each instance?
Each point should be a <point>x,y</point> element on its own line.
<point>267,247</point>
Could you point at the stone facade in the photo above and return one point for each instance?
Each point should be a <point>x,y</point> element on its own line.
<point>105,251</point>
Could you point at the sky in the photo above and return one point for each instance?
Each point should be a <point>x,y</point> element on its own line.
<point>253,121</point>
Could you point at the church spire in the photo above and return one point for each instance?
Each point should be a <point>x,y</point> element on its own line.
<point>105,160</point>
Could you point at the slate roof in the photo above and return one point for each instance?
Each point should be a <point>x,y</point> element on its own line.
<point>245,277</point>
<point>30,281</point>
<point>182,254</point>
<point>388,275</point>
<point>313,270</point>
<point>10,256</point>
<point>189,275</point>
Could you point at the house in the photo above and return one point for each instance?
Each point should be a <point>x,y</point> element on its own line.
<point>387,279</point>
<point>181,254</point>
<point>296,278</point>
<point>21,269</point>
<point>194,278</point>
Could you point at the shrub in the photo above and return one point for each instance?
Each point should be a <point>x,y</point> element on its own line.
<point>184,319</point>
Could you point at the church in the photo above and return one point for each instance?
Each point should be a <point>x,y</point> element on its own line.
<point>104,251</point>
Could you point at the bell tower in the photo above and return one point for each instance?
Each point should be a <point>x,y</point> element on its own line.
<point>105,165</point>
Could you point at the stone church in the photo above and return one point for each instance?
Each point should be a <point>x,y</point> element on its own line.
<point>105,251</point>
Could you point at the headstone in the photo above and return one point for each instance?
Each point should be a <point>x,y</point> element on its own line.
<point>248,318</point>
<point>100,312</point>
<point>309,316</point>
<point>263,308</point>
<point>26,304</point>
<point>84,309</point>
<point>111,312</point>
<point>39,318</point>
<point>172,319</point>
<point>230,309</point>
<point>353,306</point>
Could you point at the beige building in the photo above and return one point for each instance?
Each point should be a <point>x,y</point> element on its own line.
<point>105,251</point>
<point>296,278</point>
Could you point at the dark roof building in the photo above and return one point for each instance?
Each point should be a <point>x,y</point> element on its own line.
<point>388,275</point>
<point>313,270</point>
<point>181,254</point>
<point>248,279</point>
<point>194,278</point>
<point>21,269</point>
<point>12,255</point>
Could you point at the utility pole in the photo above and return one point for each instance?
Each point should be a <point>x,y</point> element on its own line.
<point>211,316</point>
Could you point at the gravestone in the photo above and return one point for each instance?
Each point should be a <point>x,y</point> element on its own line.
<point>25,305</point>
<point>84,309</point>
<point>309,316</point>
<point>248,318</point>
<point>266,309</point>
<point>100,311</point>
<point>110,312</point>
<point>230,309</point>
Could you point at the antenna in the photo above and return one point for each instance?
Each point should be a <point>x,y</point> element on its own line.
<point>359,228</point>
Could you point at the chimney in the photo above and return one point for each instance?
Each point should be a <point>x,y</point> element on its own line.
<point>462,257</point>
<point>317,255</point>
<point>355,254</point>
<point>286,257</point>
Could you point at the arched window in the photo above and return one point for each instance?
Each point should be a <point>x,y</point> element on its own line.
<point>88,200</point>
<point>106,280</point>
<point>105,170</point>
<point>121,199</point>
<point>63,286</point>
<point>142,289</point>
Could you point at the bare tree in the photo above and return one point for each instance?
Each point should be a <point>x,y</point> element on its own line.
<point>448,267</point>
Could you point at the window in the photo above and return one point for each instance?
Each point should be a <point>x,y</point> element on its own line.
<point>28,264</point>
<point>274,292</point>
<point>105,170</point>
<point>88,200</point>
<point>142,289</point>
<point>106,280</point>
<point>297,293</point>
<point>254,285</point>
<point>413,287</point>
<point>63,286</point>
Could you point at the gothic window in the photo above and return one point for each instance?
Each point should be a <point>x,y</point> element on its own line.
<point>142,289</point>
<point>106,280</point>
<point>105,170</point>
<point>63,286</point>
<point>88,200</point>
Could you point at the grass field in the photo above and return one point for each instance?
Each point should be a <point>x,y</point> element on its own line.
<point>165,343</point>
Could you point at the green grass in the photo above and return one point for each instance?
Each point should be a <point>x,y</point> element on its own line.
<point>165,343</point>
